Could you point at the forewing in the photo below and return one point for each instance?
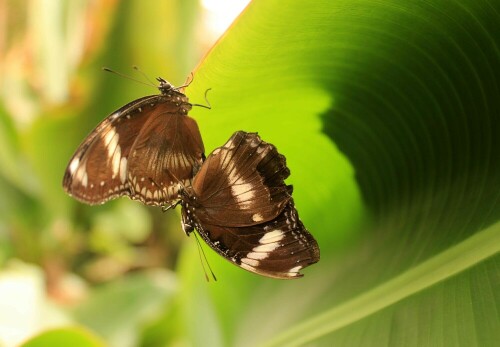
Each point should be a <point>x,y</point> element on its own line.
<point>279,248</point>
<point>168,150</point>
<point>242,183</point>
<point>97,172</point>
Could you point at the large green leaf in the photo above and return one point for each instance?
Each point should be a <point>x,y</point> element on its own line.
<point>388,114</point>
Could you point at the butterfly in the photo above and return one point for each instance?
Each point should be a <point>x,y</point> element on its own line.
<point>142,150</point>
<point>239,204</point>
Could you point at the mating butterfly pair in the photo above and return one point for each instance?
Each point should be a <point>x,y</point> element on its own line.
<point>152,151</point>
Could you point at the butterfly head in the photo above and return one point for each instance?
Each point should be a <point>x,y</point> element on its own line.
<point>186,194</point>
<point>165,87</point>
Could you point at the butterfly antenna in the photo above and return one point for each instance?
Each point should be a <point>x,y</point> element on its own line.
<point>136,68</point>
<point>107,69</point>
<point>206,92</point>
<point>200,252</point>
<point>206,100</point>
<point>188,82</point>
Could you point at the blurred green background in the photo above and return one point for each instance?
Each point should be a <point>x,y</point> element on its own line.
<point>388,113</point>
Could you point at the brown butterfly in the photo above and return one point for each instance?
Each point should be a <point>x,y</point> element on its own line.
<point>241,207</point>
<point>141,151</point>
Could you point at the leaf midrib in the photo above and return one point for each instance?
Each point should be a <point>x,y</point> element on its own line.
<point>451,262</point>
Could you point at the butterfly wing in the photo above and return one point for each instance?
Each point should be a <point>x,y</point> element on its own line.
<point>168,149</point>
<point>241,183</point>
<point>99,169</point>
<point>279,248</point>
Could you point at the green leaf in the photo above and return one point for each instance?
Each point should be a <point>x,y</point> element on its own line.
<point>62,337</point>
<point>456,273</point>
<point>117,310</point>
<point>387,112</point>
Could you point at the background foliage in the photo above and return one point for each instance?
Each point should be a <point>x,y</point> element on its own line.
<point>388,114</point>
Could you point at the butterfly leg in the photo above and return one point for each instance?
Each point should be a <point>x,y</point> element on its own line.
<point>165,208</point>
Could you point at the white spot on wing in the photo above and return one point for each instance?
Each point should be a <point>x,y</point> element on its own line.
<point>116,161</point>
<point>257,217</point>
<point>109,136</point>
<point>257,255</point>
<point>74,165</point>
<point>251,262</point>
<point>112,146</point>
<point>123,170</point>
<point>266,248</point>
<point>85,179</point>
<point>80,174</point>
<point>272,236</point>
<point>294,270</point>
<point>242,192</point>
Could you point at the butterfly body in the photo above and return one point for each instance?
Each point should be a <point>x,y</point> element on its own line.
<point>242,208</point>
<point>142,150</point>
